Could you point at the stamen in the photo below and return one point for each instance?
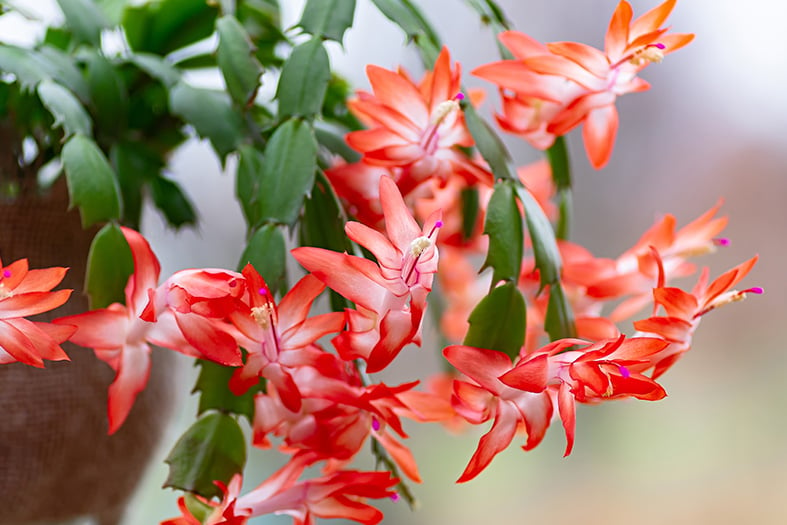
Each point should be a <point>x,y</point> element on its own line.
<point>721,241</point>
<point>6,273</point>
<point>262,315</point>
<point>732,296</point>
<point>649,53</point>
<point>395,496</point>
<point>442,110</point>
<point>375,424</point>
<point>624,371</point>
<point>419,245</point>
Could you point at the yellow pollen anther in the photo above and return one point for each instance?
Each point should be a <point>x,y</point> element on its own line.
<point>262,315</point>
<point>647,54</point>
<point>418,246</point>
<point>442,110</point>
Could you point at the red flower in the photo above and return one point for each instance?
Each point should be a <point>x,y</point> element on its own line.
<point>23,293</point>
<point>278,339</point>
<point>390,295</point>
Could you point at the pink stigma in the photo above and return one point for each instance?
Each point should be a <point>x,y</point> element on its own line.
<point>6,273</point>
<point>263,291</point>
<point>721,241</point>
<point>395,496</point>
<point>459,96</point>
<point>624,371</point>
<point>756,290</point>
<point>438,224</point>
<point>233,284</point>
<point>660,46</point>
<point>375,424</point>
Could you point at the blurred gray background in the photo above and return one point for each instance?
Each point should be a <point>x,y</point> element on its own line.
<point>713,126</point>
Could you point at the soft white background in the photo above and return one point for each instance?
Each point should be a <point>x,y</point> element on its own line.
<point>714,125</point>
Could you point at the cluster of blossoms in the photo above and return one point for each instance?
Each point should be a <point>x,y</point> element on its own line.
<point>406,194</point>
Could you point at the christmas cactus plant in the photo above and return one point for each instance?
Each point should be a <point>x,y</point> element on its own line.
<point>403,206</point>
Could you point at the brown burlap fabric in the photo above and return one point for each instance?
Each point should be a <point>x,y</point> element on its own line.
<point>56,461</point>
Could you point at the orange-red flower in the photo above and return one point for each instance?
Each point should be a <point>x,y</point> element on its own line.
<point>549,90</point>
<point>683,311</point>
<point>391,294</point>
<point>23,293</point>
<point>415,127</point>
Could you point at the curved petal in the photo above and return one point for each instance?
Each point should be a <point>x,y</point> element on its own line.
<point>32,303</point>
<point>14,342</point>
<point>601,126</point>
<point>482,365</point>
<point>395,91</point>
<point>146,269</point>
<point>521,45</point>
<point>132,376</point>
<point>586,56</point>
<point>400,226</point>
<point>617,37</point>
<point>493,442</point>
<point>212,342</point>
<point>41,280</point>
<point>105,328</point>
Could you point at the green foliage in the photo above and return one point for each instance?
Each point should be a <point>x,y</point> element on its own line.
<point>504,228</point>
<point>470,210</point>
<point>406,15</point>
<point>85,20</point>
<point>25,64</point>
<point>238,65</point>
<point>215,394</point>
<point>328,18</point>
<point>65,108</point>
<point>211,114</point>
<point>561,175</point>
<point>247,182</point>
<point>489,144</point>
<point>303,81</point>
<point>212,449</point>
<point>108,94</point>
<point>91,181</point>
<point>559,322</point>
<point>163,26</point>
<point>322,225</point>
<point>173,203</point>
<point>498,321</point>
<point>267,252</point>
<point>543,238</point>
<point>288,172</point>
<point>109,265</point>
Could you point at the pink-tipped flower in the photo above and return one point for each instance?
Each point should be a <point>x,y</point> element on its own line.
<point>278,339</point>
<point>549,90</point>
<point>118,335</point>
<point>390,295</point>
<point>415,127</point>
<point>683,311</point>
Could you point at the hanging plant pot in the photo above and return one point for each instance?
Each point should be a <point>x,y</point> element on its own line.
<point>56,460</point>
